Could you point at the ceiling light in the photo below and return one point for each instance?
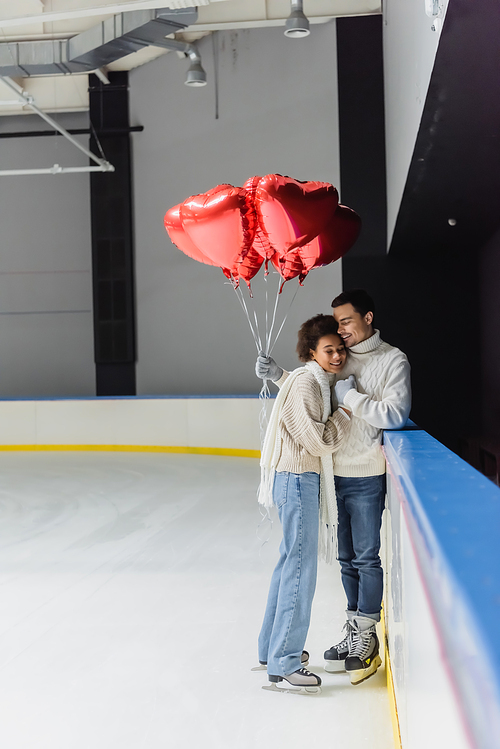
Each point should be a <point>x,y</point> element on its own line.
<point>297,24</point>
<point>195,75</point>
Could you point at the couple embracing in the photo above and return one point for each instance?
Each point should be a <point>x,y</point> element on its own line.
<point>353,386</point>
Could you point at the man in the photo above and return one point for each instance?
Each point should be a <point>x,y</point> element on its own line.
<point>377,393</point>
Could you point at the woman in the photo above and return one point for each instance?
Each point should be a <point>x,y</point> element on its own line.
<point>297,477</point>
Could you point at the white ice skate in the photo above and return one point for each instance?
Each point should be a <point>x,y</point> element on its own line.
<point>301,681</point>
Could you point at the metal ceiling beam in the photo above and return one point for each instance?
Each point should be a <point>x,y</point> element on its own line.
<point>102,164</point>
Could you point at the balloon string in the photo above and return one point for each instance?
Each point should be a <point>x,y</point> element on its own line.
<point>241,300</point>
<point>267,324</point>
<point>270,332</point>
<point>252,303</point>
<point>266,523</point>
<point>284,320</point>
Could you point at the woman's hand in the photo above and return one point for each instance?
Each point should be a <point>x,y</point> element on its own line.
<point>266,368</point>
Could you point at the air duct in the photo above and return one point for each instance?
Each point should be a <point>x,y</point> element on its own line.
<point>97,47</point>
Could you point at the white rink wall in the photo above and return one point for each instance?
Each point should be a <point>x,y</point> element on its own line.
<point>428,713</point>
<point>218,423</point>
<point>441,596</point>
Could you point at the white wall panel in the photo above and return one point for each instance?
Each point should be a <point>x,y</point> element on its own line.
<point>224,422</point>
<point>46,338</point>
<point>18,423</point>
<point>113,422</point>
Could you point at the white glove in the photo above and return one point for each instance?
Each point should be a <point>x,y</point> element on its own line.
<point>342,387</point>
<point>267,369</point>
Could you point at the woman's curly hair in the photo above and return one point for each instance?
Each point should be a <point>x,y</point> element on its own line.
<point>311,331</point>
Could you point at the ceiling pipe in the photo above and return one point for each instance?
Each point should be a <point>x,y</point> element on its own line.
<point>297,24</point>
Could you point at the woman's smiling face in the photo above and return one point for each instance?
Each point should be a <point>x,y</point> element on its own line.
<point>330,353</point>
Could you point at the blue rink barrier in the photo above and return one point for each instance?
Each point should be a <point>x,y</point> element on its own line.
<point>442,602</point>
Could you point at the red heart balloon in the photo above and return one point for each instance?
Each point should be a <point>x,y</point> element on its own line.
<point>220,223</point>
<point>337,238</point>
<point>173,225</point>
<point>246,269</point>
<point>291,213</point>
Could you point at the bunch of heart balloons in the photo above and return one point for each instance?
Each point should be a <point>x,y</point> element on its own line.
<point>297,226</point>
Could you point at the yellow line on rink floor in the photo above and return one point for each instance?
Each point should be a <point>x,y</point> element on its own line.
<point>226,451</point>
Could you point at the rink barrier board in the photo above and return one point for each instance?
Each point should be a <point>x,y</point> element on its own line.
<point>223,451</point>
<point>230,425</point>
<point>442,595</point>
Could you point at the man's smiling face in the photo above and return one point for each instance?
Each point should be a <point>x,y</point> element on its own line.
<point>353,327</point>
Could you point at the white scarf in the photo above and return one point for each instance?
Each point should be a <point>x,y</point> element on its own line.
<point>271,451</point>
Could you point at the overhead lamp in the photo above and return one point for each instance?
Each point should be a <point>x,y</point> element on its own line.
<point>297,24</point>
<point>195,75</point>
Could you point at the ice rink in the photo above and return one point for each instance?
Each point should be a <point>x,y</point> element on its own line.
<point>132,591</point>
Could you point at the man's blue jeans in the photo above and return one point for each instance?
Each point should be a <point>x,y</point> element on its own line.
<point>288,611</point>
<point>360,503</point>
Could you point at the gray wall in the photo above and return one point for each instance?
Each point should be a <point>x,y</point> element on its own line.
<point>410,48</point>
<point>46,339</point>
<point>277,113</point>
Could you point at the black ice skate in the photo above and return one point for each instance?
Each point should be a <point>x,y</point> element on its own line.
<point>304,660</point>
<point>301,681</point>
<point>336,655</point>
<point>363,659</point>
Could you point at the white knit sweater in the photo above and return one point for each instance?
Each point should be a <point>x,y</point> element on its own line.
<point>305,438</point>
<point>382,401</point>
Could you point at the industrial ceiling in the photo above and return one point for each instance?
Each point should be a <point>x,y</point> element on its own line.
<point>49,46</point>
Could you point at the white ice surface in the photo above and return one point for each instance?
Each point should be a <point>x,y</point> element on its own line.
<point>132,588</point>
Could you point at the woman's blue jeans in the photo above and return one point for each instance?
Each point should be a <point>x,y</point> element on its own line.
<point>288,611</point>
<point>360,503</point>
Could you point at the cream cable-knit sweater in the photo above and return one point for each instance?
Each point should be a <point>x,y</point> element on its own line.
<point>382,401</point>
<point>304,436</point>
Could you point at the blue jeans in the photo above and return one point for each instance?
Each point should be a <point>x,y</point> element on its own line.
<point>360,503</point>
<point>288,611</point>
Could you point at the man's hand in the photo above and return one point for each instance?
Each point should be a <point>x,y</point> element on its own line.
<point>342,387</point>
<point>266,368</point>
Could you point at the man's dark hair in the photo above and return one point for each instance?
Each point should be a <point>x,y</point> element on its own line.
<point>311,331</point>
<point>359,298</point>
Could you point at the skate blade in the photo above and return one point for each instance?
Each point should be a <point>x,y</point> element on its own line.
<point>362,674</point>
<point>292,690</point>
<point>335,667</point>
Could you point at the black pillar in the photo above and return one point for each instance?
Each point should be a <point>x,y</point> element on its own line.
<point>362,133</point>
<point>362,152</point>
<point>112,239</point>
